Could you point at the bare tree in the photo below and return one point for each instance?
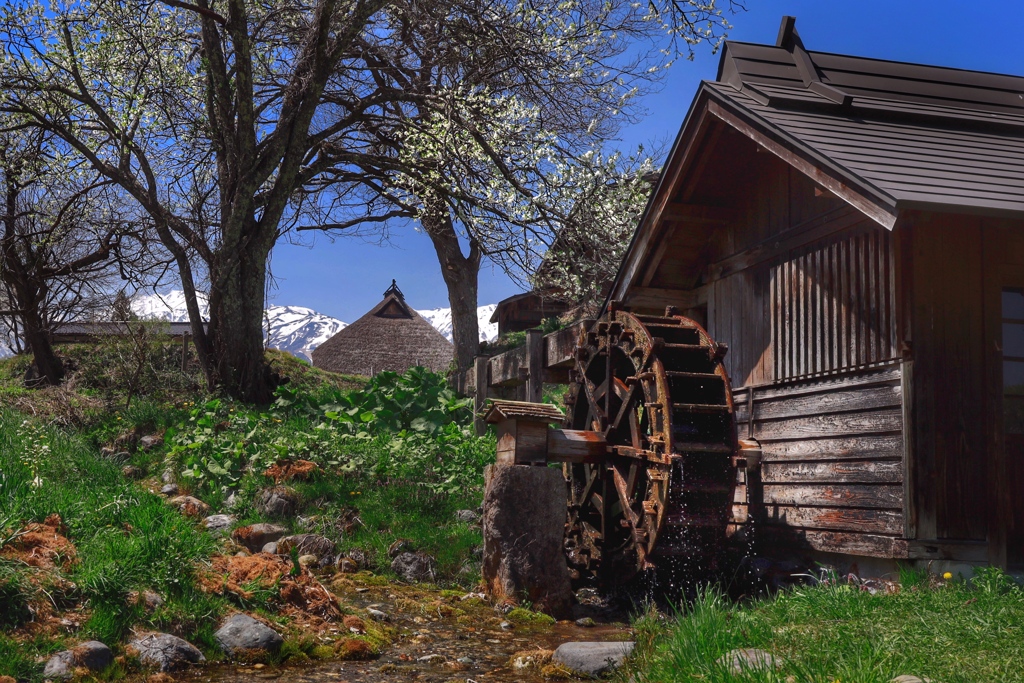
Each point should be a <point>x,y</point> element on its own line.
<point>58,239</point>
<point>204,113</point>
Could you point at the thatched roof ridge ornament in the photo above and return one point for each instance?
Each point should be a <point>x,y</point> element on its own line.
<point>393,289</point>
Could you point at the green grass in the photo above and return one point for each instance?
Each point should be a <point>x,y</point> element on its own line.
<point>398,485</point>
<point>126,539</point>
<point>952,632</point>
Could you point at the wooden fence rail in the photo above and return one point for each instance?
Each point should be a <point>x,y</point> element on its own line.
<point>521,373</point>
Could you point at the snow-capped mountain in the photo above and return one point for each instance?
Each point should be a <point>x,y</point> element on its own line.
<point>169,306</point>
<point>296,329</point>
<point>299,330</point>
<point>441,319</point>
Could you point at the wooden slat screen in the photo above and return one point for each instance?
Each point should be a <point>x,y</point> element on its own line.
<point>833,306</point>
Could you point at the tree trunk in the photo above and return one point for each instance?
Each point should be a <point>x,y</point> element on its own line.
<point>237,300</point>
<point>37,339</point>
<point>460,274</point>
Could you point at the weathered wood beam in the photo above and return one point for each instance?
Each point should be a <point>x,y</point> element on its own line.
<point>942,549</point>
<point>654,297</point>
<point>575,446</point>
<point>809,231</point>
<point>535,366</point>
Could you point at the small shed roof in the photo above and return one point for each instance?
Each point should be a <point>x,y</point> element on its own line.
<point>390,337</point>
<point>519,410</point>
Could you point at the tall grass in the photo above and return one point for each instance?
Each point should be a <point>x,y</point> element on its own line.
<point>950,631</point>
<point>126,538</point>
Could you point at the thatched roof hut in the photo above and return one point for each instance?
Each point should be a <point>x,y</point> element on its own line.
<point>392,336</point>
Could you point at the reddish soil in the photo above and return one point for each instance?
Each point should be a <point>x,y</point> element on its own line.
<point>43,546</point>
<point>287,470</point>
<point>302,596</point>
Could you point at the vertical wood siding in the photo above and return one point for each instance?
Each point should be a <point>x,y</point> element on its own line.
<point>832,306</point>
<point>823,308</point>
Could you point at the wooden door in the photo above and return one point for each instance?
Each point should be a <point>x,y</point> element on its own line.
<point>1011,370</point>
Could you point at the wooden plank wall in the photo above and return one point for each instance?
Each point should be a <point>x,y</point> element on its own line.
<point>832,467</point>
<point>949,348</point>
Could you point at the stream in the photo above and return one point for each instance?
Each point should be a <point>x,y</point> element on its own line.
<point>436,636</point>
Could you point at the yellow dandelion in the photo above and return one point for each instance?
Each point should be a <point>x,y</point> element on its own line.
<point>947,576</point>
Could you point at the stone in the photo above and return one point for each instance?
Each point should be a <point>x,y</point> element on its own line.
<point>906,678</point>
<point>464,660</point>
<point>242,632</point>
<point>414,567</point>
<point>377,615</point>
<point>132,472</point>
<point>362,558</point>
<point>152,600</point>
<point>232,501</point>
<point>309,561</point>
<point>431,659</point>
<point>147,598</point>
<point>150,442</point>
<point>586,622</point>
<point>219,523</point>
<point>165,652</point>
<point>467,516</point>
<point>398,547</point>
<point>346,565</point>
<point>190,506</point>
<point>279,501</point>
<point>92,655</point>
<point>308,544</point>
<point>169,489</point>
<point>596,660</point>
<point>270,548</point>
<point>749,659</point>
<point>168,476</point>
<point>506,626</point>
<point>523,530</point>
<point>255,536</point>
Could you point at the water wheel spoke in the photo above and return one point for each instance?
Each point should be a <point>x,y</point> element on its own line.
<point>627,396</point>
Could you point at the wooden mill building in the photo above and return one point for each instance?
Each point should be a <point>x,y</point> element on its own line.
<point>853,230</point>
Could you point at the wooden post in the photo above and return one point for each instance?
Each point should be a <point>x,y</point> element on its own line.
<point>535,366</point>
<point>480,367</point>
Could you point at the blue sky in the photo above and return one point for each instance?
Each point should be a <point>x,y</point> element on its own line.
<point>345,278</point>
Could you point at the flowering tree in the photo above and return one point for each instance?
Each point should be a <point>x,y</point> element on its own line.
<point>584,258</point>
<point>506,104</point>
<point>231,122</point>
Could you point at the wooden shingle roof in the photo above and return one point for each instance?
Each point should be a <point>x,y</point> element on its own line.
<point>908,135</point>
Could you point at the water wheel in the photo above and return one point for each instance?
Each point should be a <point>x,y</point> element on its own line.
<point>657,389</point>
